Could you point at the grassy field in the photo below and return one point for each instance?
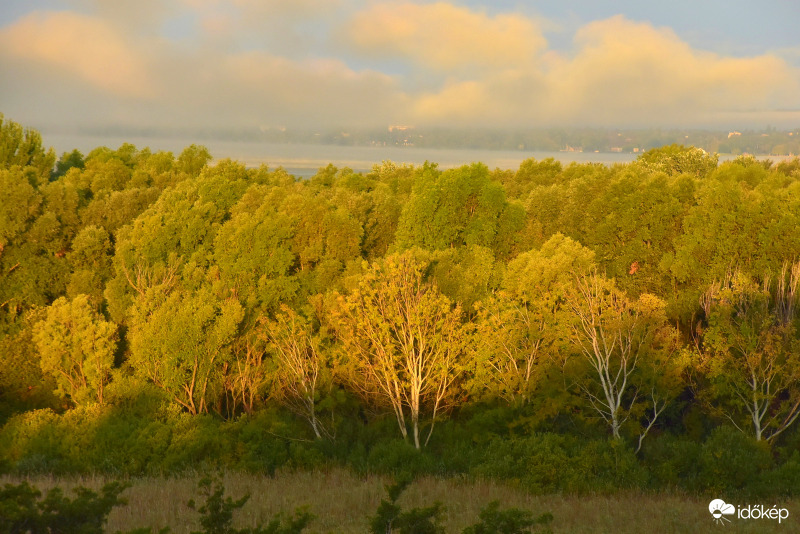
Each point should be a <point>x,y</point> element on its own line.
<point>343,502</point>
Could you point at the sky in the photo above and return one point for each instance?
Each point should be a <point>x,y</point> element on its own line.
<point>165,65</point>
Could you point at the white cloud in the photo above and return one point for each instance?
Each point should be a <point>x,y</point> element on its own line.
<point>461,67</point>
<point>621,73</point>
<point>78,45</point>
<point>445,36</point>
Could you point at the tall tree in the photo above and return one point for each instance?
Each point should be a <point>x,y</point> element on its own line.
<point>77,348</point>
<point>401,340</point>
<point>519,329</point>
<point>181,340</point>
<point>300,368</point>
<point>626,349</point>
<point>457,207</point>
<point>22,147</point>
<point>752,353</point>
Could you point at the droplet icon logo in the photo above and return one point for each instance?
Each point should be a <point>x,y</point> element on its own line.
<point>719,509</point>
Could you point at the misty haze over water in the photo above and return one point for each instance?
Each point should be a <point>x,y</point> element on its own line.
<point>304,159</point>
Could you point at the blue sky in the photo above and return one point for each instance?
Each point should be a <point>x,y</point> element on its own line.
<point>173,64</point>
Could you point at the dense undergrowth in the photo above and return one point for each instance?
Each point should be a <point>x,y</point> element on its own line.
<point>106,442</point>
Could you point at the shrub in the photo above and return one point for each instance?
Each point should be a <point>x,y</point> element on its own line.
<point>510,521</point>
<point>730,462</point>
<point>22,510</point>
<point>399,458</point>
<point>782,481</point>
<point>546,463</point>
<point>31,443</point>
<point>538,462</point>
<point>216,513</point>
<point>390,518</point>
<point>672,461</point>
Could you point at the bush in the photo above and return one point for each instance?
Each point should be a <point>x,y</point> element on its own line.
<point>510,521</point>
<point>31,443</point>
<point>538,462</point>
<point>672,462</point>
<point>257,448</point>
<point>606,466</point>
<point>22,510</point>
<point>783,481</point>
<point>731,462</point>
<point>216,513</point>
<point>197,443</point>
<point>398,458</point>
<point>546,463</point>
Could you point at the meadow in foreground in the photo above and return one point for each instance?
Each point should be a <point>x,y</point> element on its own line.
<point>343,502</point>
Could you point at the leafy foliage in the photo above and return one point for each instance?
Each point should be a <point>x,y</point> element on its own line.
<point>391,518</point>
<point>510,521</point>
<point>216,513</point>
<point>22,509</point>
<point>160,312</point>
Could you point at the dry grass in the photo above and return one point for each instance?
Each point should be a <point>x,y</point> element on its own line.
<point>343,502</point>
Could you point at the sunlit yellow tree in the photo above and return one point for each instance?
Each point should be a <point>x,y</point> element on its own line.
<point>77,348</point>
<point>519,330</point>
<point>401,341</point>
<point>181,342</point>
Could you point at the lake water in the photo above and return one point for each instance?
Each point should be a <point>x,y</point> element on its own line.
<point>304,160</point>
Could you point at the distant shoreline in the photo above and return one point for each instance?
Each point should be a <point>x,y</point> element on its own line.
<point>304,159</point>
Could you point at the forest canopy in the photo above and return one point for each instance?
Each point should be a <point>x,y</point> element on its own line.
<point>628,304</point>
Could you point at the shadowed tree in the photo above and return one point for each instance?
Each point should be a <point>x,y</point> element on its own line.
<point>626,349</point>
<point>751,351</point>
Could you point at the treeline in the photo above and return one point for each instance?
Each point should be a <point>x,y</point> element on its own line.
<point>637,322</point>
<point>769,141</point>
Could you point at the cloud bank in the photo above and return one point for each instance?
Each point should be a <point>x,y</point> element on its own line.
<point>242,63</point>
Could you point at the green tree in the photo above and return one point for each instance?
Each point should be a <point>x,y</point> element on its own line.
<point>253,251</point>
<point>390,517</point>
<point>626,348</point>
<point>454,208</point>
<point>193,159</point>
<point>175,235</point>
<point>519,329</point>
<point>678,159</point>
<point>510,521</point>
<point>77,348</point>
<point>90,260</point>
<point>300,372</point>
<point>751,351</point>
<point>181,340</point>
<point>22,147</point>
<point>67,161</point>
<point>740,216</point>
<point>216,513</point>
<point>23,510</point>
